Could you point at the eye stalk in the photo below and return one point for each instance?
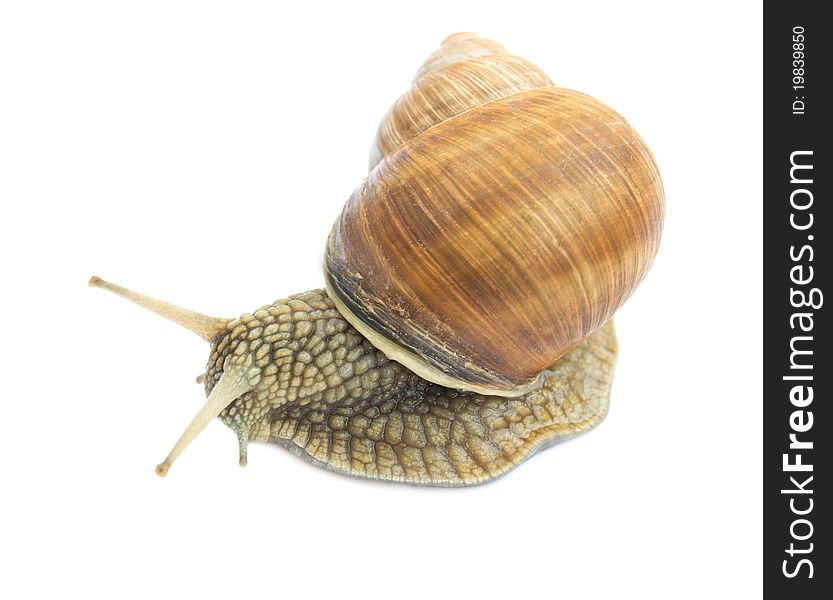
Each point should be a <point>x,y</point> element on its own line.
<point>204,326</point>
<point>234,382</point>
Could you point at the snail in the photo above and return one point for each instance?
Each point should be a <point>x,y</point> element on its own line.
<point>470,282</point>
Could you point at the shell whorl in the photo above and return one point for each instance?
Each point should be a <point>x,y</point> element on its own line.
<point>506,220</point>
<point>457,47</point>
<point>465,72</point>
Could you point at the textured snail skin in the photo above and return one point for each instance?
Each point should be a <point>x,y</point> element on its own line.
<point>325,393</point>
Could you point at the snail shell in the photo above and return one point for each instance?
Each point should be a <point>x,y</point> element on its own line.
<point>503,221</point>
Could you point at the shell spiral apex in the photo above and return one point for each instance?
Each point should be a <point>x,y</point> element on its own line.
<point>503,221</point>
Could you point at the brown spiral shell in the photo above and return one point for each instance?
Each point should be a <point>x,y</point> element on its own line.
<point>503,220</point>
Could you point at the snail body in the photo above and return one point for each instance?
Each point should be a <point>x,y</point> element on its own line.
<point>335,399</point>
<point>471,280</point>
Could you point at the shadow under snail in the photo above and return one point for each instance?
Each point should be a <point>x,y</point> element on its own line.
<point>470,284</point>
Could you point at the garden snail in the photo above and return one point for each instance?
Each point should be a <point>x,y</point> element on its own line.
<point>470,284</point>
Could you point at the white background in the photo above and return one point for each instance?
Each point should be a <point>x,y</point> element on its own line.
<point>200,152</point>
